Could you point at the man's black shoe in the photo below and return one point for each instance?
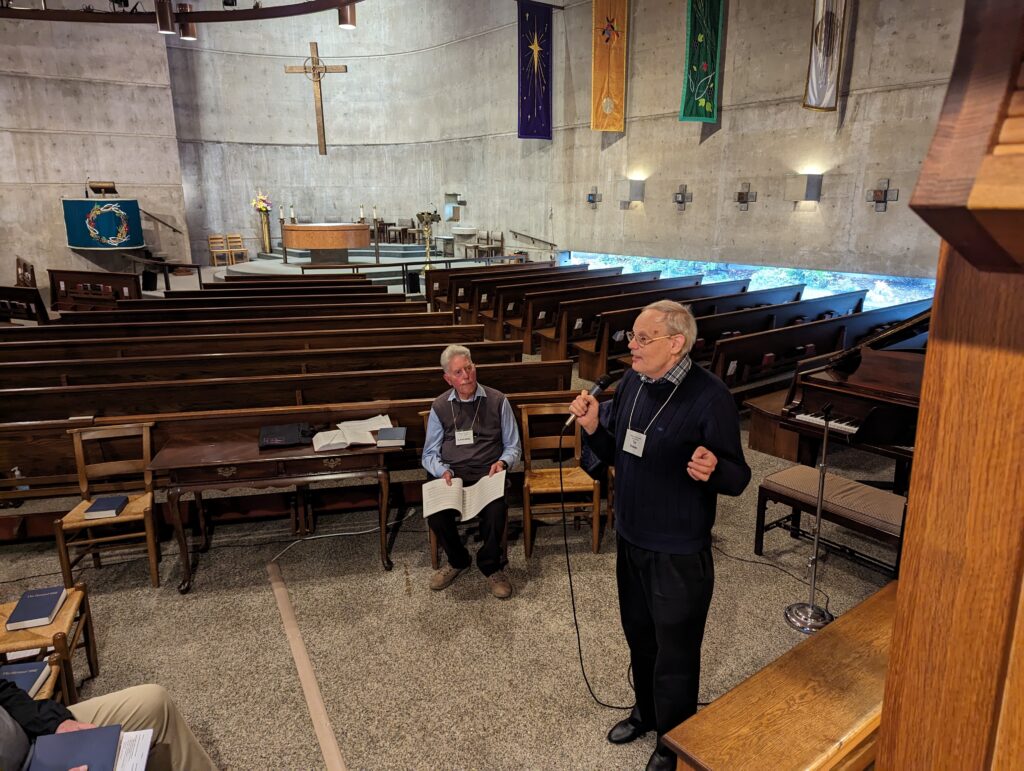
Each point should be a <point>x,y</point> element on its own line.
<point>661,762</point>
<point>626,731</point>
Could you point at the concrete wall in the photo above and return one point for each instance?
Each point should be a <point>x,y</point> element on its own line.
<point>428,107</point>
<point>78,101</point>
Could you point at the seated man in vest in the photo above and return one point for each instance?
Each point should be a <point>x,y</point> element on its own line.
<point>22,719</point>
<point>471,433</point>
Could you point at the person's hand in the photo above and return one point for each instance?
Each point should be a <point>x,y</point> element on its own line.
<point>79,768</point>
<point>72,725</point>
<point>701,464</point>
<point>585,408</point>
<point>447,477</point>
<point>495,468</point>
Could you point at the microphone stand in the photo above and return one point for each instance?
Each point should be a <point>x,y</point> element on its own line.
<point>807,617</point>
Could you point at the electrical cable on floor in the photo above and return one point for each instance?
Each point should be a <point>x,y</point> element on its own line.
<point>572,591</point>
<point>337,535</point>
<point>777,567</point>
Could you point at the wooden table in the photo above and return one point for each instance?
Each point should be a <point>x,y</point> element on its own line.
<point>70,629</point>
<point>198,461</point>
<point>327,242</point>
<point>817,705</point>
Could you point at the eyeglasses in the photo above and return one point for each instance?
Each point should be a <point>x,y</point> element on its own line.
<point>642,340</point>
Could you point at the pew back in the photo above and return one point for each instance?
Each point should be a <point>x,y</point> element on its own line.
<point>437,279</point>
<point>378,304</point>
<point>365,294</point>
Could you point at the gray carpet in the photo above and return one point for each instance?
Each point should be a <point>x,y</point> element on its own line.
<point>417,679</point>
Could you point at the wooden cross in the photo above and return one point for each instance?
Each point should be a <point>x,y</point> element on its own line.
<point>314,69</point>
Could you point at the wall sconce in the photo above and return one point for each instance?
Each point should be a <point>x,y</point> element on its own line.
<point>882,194</point>
<point>803,187</point>
<point>594,197</point>
<point>186,30</point>
<point>347,16</point>
<point>164,17</point>
<point>630,191</point>
<point>681,198</point>
<point>744,197</point>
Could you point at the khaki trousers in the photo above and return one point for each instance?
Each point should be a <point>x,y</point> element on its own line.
<point>147,706</point>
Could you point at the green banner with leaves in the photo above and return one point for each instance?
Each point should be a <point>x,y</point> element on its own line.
<point>704,20</point>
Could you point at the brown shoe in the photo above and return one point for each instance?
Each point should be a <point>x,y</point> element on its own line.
<point>443,578</point>
<point>501,587</point>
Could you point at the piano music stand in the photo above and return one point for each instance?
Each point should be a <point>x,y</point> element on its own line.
<point>808,617</point>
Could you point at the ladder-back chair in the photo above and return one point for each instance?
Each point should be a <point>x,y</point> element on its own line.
<point>541,436</point>
<point>133,474</point>
<point>237,251</point>
<point>218,246</point>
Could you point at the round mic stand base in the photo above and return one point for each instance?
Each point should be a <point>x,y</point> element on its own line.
<point>807,618</point>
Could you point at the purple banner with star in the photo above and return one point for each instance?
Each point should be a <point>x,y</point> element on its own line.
<point>534,70</point>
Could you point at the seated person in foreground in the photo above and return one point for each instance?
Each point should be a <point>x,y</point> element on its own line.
<point>22,719</point>
<point>471,433</point>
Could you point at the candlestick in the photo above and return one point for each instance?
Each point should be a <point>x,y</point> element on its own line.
<point>291,211</point>
<point>362,216</point>
<point>375,212</point>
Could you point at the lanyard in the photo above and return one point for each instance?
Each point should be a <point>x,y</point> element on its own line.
<point>455,423</point>
<point>629,425</point>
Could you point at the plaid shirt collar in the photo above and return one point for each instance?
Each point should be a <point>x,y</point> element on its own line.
<point>675,375</point>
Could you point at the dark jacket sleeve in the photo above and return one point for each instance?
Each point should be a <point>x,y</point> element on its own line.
<point>35,717</point>
<point>602,442</point>
<point>720,427</point>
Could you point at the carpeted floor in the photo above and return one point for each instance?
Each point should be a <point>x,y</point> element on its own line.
<point>417,679</point>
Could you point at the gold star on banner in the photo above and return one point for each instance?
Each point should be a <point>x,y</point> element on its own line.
<point>536,49</point>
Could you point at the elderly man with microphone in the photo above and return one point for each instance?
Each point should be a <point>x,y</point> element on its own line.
<point>673,436</point>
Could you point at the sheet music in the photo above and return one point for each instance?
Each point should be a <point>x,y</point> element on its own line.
<point>438,495</point>
<point>483,492</point>
<point>468,501</point>
<point>375,423</point>
<point>133,750</point>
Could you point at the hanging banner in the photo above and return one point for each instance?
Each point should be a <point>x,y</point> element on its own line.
<point>823,66</point>
<point>704,19</point>
<point>534,70</point>
<point>103,223</point>
<point>608,70</point>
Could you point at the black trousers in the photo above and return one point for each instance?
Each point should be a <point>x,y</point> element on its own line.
<point>491,519</point>
<point>663,604</point>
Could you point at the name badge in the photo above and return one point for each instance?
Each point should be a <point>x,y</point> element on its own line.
<point>464,437</point>
<point>634,443</point>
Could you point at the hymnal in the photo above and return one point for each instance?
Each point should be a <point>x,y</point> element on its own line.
<point>107,506</point>
<point>37,607</point>
<point>28,676</point>
<point>391,437</point>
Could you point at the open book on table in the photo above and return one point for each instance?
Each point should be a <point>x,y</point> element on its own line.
<point>467,500</point>
<point>351,432</point>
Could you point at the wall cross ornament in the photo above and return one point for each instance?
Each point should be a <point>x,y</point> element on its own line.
<point>682,197</point>
<point>315,69</point>
<point>593,197</point>
<point>882,194</point>
<point>744,197</point>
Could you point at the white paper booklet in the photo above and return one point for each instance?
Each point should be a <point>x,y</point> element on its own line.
<point>468,501</point>
<point>350,432</point>
<point>133,750</point>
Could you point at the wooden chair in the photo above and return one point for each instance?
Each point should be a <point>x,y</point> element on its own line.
<point>218,249</point>
<point>74,530</point>
<point>237,251</point>
<point>435,545</point>
<point>486,246</point>
<point>545,482</point>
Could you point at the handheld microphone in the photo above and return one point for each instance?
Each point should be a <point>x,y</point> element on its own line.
<point>602,383</point>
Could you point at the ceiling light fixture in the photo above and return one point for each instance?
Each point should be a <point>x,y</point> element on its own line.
<point>186,30</point>
<point>347,16</point>
<point>164,17</point>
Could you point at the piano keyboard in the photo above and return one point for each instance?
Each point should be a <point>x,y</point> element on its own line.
<point>841,425</point>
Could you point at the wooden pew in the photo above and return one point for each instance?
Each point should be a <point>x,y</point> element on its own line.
<point>759,362</point>
<point>437,279</point>
<point>610,341</point>
<point>540,309</point>
<point>480,292</point>
<point>289,285</point>
<point>153,329</point>
<point>457,283</point>
<point>579,319</point>
<point>117,399</point>
<point>22,302</point>
<point>255,290</point>
<point>818,706</point>
<point>83,290</point>
<point>367,294</point>
<point>296,279</point>
<point>237,364</point>
<point>508,300</point>
<point>106,347</point>
<point>255,310</point>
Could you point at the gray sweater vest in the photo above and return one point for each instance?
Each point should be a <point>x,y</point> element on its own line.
<point>471,461</point>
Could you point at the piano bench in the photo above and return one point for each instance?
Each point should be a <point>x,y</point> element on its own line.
<point>853,505</point>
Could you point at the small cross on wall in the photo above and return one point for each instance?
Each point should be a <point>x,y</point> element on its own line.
<point>593,197</point>
<point>882,194</point>
<point>745,197</point>
<point>682,197</point>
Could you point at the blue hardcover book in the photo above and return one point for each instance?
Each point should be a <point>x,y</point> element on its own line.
<point>37,607</point>
<point>107,506</point>
<point>29,676</point>
<point>93,747</point>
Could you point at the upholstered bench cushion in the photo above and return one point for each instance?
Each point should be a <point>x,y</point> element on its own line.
<point>862,503</point>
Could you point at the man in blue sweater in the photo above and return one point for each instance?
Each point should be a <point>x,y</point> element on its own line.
<point>673,436</point>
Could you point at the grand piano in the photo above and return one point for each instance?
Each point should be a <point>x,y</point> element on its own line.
<point>874,389</point>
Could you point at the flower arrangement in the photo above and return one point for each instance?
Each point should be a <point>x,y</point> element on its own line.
<point>262,202</point>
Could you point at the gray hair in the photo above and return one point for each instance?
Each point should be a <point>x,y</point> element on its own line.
<point>451,352</point>
<point>679,320</point>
